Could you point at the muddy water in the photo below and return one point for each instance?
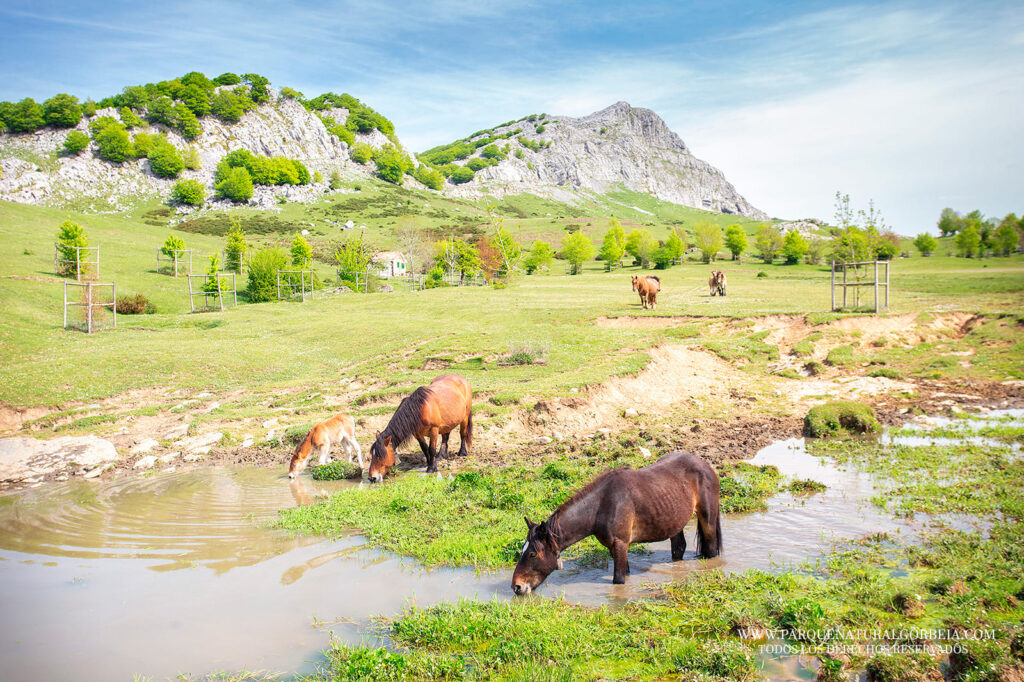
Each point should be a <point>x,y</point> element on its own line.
<point>174,572</point>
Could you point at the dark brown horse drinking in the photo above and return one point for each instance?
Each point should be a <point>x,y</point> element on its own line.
<point>428,413</point>
<point>622,507</point>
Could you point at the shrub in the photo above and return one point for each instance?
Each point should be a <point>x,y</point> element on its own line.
<point>236,186</point>
<point>302,252</point>
<point>186,122</point>
<point>227,78</point>
<point>430,177</point>
<point>190,192</point>
<point>69,236</point>
<point>491,151</point>
<point>539,256</point>
<point>129,119</point>
<point>291,93</point>
<point>236,246</point>
<point>794,246</point>
<point>839,418</point>
<point>134,305</point>
<point>191,158</point>
<point>23,117</point>
<point>476,164</point>
<point>461,175</point>
<point>263,267</point>
<point>75,142</point>
<point>663,257</point>
<point>336,471</point>
<point>89,108</point>
<point>577,248</point>
<point>62,111</point>
<point>708,238</point>
<point>195,99</point>
<point>164,159</point>
<point>229,105</point>
<point>113,143</point>
<point>926,244</point>
<point>172,244</point>
<point>392,164</point>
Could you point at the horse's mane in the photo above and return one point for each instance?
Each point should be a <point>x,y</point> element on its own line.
<point>655,278</point>
<point>406,419</point>
<point>585,490</point>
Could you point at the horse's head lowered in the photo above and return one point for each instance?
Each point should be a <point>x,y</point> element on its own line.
<point>382,458</point>
<point>540,557</point>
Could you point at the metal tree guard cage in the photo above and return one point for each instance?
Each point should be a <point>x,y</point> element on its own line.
<point>89,303</point>
<point>876,284</point>
<point>83,267</point>
<point>174,259</point>
<point>305,283</point>
<point>219,294</point>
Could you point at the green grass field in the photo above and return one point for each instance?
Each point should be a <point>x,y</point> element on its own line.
<point>389,338</point>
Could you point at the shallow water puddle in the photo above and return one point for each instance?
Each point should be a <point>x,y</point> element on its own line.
<point>171,573</point>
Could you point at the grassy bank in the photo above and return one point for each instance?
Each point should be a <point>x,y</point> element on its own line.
<point>955,587</point>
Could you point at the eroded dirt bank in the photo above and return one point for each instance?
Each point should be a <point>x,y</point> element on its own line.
<point>685,398</point>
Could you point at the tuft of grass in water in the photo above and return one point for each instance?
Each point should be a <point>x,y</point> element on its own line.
<point>335,471</point>
<point>806,486</point>
<point>903,668</point>
<point>840,418</point>
<point>475,518</point>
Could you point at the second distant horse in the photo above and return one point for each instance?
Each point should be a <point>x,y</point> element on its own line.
<point>648,287</point>
<point>717,282</point>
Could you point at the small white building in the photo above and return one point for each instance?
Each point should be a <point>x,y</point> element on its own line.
<point>390,264</point>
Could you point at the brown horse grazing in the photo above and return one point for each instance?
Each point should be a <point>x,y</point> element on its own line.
<point>338,429</point>
<point>427,413</point>
<point>648,287</point>
<point>622,507</point>
<point>717,282</point>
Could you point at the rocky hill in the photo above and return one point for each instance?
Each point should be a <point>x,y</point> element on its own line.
<point>559,157</point>
<point>32,169</point>
<point>621,145</point>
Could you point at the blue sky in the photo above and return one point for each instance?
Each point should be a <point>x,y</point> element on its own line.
<point>915,105</point>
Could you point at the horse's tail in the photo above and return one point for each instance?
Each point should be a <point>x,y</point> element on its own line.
<point>468,440</point>
<point>709,525</point>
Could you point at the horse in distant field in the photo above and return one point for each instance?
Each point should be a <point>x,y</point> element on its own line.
<point>429,412</point>
<point>648,287</point>
<point>625,506</point>
<point>338,429</point>
<point>717,282</point>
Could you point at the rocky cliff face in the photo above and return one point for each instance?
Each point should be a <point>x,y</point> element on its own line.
<point>619,145</point>
<point>34,172</point>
